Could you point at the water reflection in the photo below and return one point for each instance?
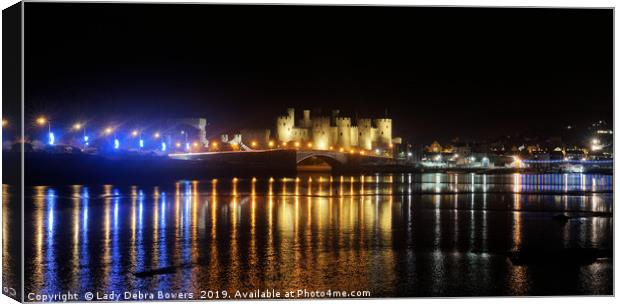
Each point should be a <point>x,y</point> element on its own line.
<point>395,235</point>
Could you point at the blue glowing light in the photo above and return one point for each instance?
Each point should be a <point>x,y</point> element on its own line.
<point>186,146</point>
<point>163,147</point>
<point>117,144</point>
<point>85,139</point>
<point>141,143</point>
<point>51,200</point>
<point>51,138</point>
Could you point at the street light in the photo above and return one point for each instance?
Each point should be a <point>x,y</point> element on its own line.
<point>517,161</point>
<point>79,126</point>
<point>157,135</point>
<point>41,122</point>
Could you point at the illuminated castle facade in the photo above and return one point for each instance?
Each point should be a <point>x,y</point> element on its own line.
<point>327,132</point>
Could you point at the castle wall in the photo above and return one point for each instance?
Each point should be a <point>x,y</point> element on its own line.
<point>300,134</point>
<point>333,135</point>
<point>333,131</point>
<point>259,136</point>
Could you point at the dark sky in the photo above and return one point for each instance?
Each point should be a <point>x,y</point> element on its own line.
<point>440,72</point>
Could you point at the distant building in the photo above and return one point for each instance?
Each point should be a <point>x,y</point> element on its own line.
<point>256,138</point>
<point>335,131</point>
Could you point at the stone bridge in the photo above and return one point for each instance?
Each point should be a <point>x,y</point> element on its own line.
<point>284,159</point>
<point>330,157</point>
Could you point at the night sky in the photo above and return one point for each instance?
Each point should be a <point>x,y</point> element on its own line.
<point>440,72</point>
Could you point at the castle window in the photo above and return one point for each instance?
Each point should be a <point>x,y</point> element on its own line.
<point>340,133</point>
<point>360,133</point>
<point>381,132</point>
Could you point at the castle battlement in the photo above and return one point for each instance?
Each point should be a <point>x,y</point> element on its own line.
<point>335,131</point>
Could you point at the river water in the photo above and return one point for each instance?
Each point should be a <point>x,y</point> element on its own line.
<point>389,235</point>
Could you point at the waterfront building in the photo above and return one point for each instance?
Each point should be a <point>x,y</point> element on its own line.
<point>325,132</point>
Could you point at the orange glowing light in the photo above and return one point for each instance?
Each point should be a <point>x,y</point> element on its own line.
<point>41,121</point>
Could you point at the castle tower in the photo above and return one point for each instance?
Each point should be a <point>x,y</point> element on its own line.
<point>343,125</point>
<point>306,122</point>
<point>364,129</point>
<point>285,126</point>
<point>291,113</point>
<point>335,114</point>
<point>384,131</point>
<point>321,135</point>
<point>354,141</point>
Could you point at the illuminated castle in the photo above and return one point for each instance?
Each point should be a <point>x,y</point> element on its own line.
<point>325,132</point>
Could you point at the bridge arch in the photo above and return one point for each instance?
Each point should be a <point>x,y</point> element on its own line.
<point>332,159</point>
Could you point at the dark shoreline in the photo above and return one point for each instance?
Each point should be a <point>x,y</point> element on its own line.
<point>45,168</point>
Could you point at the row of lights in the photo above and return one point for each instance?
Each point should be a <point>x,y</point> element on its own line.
<point>41,121</point>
